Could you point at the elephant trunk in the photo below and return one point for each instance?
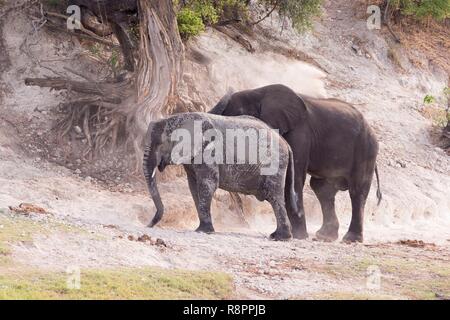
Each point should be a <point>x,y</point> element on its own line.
<point>149,173</point>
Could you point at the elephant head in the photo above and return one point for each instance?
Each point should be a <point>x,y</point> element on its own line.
<point>277,105</point>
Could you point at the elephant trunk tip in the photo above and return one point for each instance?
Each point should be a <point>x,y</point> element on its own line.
<point>156,218</point>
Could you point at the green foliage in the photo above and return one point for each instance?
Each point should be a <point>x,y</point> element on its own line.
<point>438,10</point>
<point>113,61</point>
<point>53,2</point>
<point>205,9</point>
<point>434,111</point>
<point>56,3</point>
<point>429,99</point>
<point>194,15</point>
<point>300,12</point>
<point>190,23</point>
<point>447,92</point>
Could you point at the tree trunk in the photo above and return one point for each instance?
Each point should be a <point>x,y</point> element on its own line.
<point>159,70</point>
<point>161,55</point>
<point>140,96</point>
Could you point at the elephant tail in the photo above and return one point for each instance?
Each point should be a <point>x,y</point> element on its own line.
<point>292,196</point>
<point>379,195</point>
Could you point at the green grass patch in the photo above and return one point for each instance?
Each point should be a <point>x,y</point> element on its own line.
<point>344,295</point>
<point>16,228</point>
<point>413,278</point>
<point>124,283</point>
<point>20,282</point>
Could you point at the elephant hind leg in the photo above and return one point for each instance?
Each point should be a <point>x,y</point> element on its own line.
<point>358,196</point>
<point>326,193</point>
<point>283,231</point>
<point>359,190</point>
<point>360,183</point>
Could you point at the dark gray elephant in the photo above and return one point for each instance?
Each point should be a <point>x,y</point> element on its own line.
<point>330,140</point>
<point>215,159</point>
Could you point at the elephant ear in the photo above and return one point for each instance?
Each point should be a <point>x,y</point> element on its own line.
<point>283,110</point>
<point>223,103</point>
<point>200,148</point>
<point>195,136</point>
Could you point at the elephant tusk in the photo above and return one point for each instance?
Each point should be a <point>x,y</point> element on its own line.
<point>154,172</point>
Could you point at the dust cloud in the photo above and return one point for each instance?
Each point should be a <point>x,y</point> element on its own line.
<point>236,68</point>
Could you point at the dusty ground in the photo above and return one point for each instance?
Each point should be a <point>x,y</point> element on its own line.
<point>92,226</point>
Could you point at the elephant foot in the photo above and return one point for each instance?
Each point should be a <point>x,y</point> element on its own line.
<point>352,237</point>
<point>299,233</point>
<point>328,233</point>
<point>205,228</point>
<point>278,235</point>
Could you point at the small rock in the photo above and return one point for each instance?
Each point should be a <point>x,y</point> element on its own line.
<point>27,209</point>
<point>77,129</point>
<point>78,171</point>
<point>110,226</point>
<point>144,238</point>
<point>188,77</point>
<point>401,164</point>
<point>160,242</point>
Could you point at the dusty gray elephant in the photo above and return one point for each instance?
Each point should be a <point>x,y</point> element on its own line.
<point>330,140</point>
<point>208,148</point>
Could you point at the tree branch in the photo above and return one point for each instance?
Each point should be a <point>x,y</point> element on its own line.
<point>386,20</point>
<point>268,14</point>
<point>87,32</point>
<point>110,92</point>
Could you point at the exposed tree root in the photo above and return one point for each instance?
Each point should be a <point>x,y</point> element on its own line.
<point>237,36</point>
<point>117,112</point>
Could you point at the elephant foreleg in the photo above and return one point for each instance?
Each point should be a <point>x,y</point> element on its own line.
<point>207,179</point>
<point>326,193</point>
<point>205,190</point>
<point>300,143</point>
<point>297,219</point>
